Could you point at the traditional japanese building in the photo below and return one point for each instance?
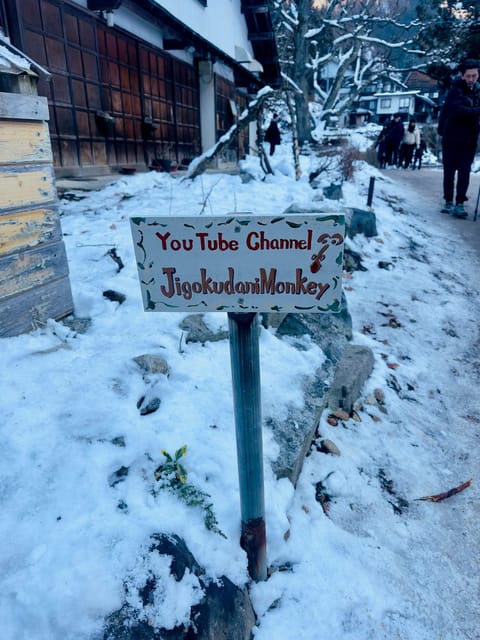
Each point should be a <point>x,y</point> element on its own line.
<point>137,83</point>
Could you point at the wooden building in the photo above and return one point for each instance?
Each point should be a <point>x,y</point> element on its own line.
<point>34,282</point>
<point>134,82</point>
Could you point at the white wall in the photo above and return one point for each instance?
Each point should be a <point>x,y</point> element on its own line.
<point>221,21</point>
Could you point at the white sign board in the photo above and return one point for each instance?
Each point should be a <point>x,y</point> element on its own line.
<point>240,263</point>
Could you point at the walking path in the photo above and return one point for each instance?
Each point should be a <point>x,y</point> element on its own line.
<point>428,183</point>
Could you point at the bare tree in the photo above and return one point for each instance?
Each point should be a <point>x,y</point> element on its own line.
<point>355,39</point>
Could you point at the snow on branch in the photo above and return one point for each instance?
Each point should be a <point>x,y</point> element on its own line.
<point>199,164</point>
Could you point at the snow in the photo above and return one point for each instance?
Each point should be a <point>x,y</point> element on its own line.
<point>10,61</point>
<point>378,564</point>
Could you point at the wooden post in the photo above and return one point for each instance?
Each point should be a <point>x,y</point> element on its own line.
<point>245,363</point>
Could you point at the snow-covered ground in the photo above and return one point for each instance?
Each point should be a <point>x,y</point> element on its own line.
<point>378,564</point>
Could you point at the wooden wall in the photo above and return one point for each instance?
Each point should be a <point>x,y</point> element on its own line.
<point>34,282</point>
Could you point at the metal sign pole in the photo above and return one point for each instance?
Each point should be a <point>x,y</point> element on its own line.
<point>245,363</point>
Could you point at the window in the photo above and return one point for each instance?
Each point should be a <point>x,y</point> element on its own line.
<point>385,103</point>
<point>404,103</point>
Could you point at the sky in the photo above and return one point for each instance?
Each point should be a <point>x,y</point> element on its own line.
<point>377,564</point>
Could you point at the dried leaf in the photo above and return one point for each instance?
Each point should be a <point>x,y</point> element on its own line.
<point>392,365</point>
<point>332,421</point>
<point>355,416</point>
<point>447,494</point>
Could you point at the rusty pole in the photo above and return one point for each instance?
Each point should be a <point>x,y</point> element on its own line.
<point>245,363</point>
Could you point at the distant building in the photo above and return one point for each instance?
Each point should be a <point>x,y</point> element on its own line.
<point>416,97</point>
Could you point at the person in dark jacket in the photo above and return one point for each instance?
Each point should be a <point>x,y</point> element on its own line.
<point>393,139</point>
<point>380,146</point>
<point>272,134</point>
<point>418,155</point>
<point>459,127</point>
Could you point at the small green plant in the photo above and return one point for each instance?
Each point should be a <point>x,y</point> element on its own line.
<point>173,476</point>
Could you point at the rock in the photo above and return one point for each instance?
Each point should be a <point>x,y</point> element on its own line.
<point>327,446</point>
<point>198,331</point>
<point>79,325</point>
<point>114,296</point>
<point>148,406</point>
<point>384,264</point>
<point>224,613</point>
<point>333,192</point>
<point>351,374</point>
<point>295,434</point>
<point>352,261</point>
<point>151,364</point>
<point>182,558</point>
<point>272,319</point>
<point>118,476</point>
<point>361,221</point>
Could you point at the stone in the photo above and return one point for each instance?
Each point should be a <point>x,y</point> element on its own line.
<point>352,260</point>
<point>294,435</point>
<point>272,319</point>
<point>352,372</point>
<point>198,331</point>
<point>79,325</point>
<point>118,476</point>
<point>114,296</point>
<point>151,364</point>
<point>327,446</point>
<point>224,613</point>
<point>333,192</point>
<point>361,221</point>
<point>149,405</point>
<point>182,559</point>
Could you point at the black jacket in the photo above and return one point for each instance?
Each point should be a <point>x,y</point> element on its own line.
<point>272,134</point>
<point>459,118</point>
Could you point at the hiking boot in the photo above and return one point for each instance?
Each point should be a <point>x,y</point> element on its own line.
<point>459,211</point>
<point>448,208</point>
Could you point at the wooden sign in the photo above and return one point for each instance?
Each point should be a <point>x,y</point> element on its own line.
<point>240,263</point>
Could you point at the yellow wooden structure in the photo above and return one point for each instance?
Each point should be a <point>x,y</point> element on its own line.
<point>34,281</point>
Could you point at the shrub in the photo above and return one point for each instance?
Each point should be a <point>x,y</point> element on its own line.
<point>172,476</point>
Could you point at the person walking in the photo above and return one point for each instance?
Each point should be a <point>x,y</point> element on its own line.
<point>393,139</point>
<point>410,141</point>
<point>380,146</point>
<point>272,134</point>
<point>418,155</point>
<point>459,127</point>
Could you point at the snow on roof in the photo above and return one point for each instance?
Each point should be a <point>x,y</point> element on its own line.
<point>12,62</point>
<point>384,94</point>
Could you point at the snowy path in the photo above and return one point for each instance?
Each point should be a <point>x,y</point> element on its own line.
<point>447,570</point>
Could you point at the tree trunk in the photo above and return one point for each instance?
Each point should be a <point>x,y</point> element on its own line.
<point>300,75</point>
<point>199,164</point>
<point>295,143</point>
